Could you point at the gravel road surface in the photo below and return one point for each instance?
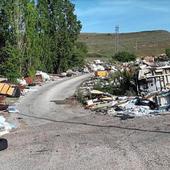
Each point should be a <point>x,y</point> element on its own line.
<point>66,137</point>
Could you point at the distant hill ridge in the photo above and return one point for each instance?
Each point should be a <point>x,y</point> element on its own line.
<point>143,43</point>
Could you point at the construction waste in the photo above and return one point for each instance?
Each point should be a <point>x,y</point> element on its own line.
<point>140,88</point>
<point>105,103</point>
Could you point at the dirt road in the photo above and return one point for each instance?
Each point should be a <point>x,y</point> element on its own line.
<point>66,137</point>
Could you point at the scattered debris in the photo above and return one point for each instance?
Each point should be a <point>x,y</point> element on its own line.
<point>10,93</point>
<point>29,81</point>
<point>12,109</point>
<point>64,74</point>
<point>152,79</point>
<point>151,84</point>
<point>5,127</point>
<point>9,90</point>
<point>101,73</point>
<point>3,107</point>
<point>42,75</point>
<point>70,73</point>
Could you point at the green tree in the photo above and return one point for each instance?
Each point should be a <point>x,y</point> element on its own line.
<point>66,30</point>
<point>31,60</point>
<point>46,32</point>
<point>9,50</point>
<point>9,67</point>
<point>38,36</point>
<point>79,55</point>
<point>124,57</point>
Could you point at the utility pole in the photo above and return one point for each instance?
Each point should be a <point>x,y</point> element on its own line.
<point>116,38</point>
<point>136,46</point>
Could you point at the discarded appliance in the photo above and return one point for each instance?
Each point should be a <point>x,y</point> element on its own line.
<point>163,100</point>
<point>154,79</point>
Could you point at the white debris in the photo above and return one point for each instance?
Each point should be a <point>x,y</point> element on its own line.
<point>22,82</point>
<point>98,62</point>
<point>86,70</point>
<point>64,74</point>
<point>12,109</point>
<point>90,102</point>
<point>44,75</point>
<point>5,127</point>
<point>137,110</point>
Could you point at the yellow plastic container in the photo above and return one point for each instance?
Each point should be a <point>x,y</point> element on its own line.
<point>101,73</point>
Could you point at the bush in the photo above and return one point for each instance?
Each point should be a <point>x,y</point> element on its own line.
<point>126,84</point>
<point>124,57</point>
<point>167,51</point>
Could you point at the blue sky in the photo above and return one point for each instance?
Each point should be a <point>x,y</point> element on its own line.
<point>130,15</point>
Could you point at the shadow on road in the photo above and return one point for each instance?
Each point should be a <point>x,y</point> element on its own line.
<point>96,125</point>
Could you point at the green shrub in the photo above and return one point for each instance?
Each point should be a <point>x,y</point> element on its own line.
<point>124,57</point>
<point>167,51</point>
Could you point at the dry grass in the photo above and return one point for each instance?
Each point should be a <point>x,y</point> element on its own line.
<point>140,43</point>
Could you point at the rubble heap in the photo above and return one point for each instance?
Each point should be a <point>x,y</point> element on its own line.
<point>151,82</point>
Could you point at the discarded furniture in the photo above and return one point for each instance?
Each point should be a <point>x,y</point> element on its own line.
<point>9,90</point>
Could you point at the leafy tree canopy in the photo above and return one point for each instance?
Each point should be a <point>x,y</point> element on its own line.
<point>38,36</point>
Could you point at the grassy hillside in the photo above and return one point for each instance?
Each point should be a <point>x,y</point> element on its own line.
<point>141,43</point>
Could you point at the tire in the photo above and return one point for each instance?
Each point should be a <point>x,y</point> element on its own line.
<point>3,144</point>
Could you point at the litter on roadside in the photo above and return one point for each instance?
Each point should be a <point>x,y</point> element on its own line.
<point>12,109</point>
<point>9,90</point>
<point>5,127</point>
<point>105,103</point>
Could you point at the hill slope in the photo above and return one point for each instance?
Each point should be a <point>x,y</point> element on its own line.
<point>141,43</point>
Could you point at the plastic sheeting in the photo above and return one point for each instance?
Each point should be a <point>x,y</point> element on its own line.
<point>12,109</point>
<point>44,75</point>
<point>5,127</point>
<point>130,107</point>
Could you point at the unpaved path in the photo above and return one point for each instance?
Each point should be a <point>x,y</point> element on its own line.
<point>65,137</point>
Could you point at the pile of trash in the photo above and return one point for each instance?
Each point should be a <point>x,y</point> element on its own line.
<point>134,106</point>
<point>105,103</point>
<point>99,68</point>
<point>10,93</point>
